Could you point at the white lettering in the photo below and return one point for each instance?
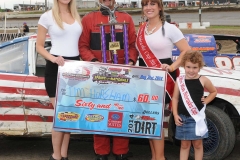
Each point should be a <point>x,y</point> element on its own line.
<point>236,62</point>
<point>223,62</point>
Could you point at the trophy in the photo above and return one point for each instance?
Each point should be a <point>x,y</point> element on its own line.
<point>113,45</point>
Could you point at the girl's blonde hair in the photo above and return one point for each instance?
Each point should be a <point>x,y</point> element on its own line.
<point>72,8</point>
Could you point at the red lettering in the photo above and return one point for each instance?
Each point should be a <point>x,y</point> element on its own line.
<point>147,118</point>
<point>78,102</point>
<point>104,106</point>
<point>118,106</point>
<point>82,103</point>
<point>194,111</point>
<point>182,87</point>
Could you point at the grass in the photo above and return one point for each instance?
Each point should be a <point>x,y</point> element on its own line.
<point>223,27</point>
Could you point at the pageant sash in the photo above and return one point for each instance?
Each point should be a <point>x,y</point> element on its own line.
<point>199,116</point>
<point>151,60</point>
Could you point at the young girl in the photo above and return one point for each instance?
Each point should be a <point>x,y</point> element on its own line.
<point>189,105</point>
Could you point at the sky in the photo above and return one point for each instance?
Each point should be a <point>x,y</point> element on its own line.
<point>9,3</point>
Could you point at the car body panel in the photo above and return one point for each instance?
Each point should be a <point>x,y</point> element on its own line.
<point>12,117</point>
<point>207,45</point>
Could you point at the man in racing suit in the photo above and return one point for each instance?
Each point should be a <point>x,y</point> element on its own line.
<point>90,50</point>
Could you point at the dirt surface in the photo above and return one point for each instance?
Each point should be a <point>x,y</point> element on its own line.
<point>227,45</point>
<point>13,148</point>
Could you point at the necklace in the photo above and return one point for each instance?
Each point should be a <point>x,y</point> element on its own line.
<point>149,32</point>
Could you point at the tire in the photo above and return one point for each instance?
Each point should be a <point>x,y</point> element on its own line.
<point>218,46</point>
<point>221,139</point>
<point>238,48</point>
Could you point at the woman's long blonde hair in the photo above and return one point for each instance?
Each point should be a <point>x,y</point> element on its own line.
<point>72,8</point>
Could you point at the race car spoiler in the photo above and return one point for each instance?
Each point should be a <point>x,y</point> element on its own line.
<point>203,43</point>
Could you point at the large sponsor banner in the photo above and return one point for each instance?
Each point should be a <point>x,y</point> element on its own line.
<point>97,98</point>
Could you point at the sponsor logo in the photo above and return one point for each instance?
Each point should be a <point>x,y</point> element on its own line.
<point>202,40</point>
<point>118,27</point>
<point>146,118</point>
<point>149,77</point>
<point>107,75</point>
<point>150,112</point>
<point>68,116</point>
<point>115,119</point>
<point>203,49</point>
<point>142,124</point>
<point>94,117</point>
<point>136,76</point>
<point>80,73</point>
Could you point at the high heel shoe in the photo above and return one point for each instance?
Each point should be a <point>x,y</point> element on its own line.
<point>51,158</point>
<point>64,158</point>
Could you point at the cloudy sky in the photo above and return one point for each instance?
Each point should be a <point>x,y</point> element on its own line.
<point>10,3</point>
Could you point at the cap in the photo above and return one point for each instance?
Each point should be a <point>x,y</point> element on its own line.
<point>24,23</point>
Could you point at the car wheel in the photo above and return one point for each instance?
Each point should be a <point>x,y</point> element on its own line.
<point>238,48</point>
<point>221,139</point>
<point>218,46</point>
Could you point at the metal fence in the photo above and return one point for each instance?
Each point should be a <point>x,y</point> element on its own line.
<point>10,36</point>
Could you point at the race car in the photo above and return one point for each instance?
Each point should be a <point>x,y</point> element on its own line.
<point>210,46</point>
<point>26,109</point>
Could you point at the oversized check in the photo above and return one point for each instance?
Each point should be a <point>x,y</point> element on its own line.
<point>110,99</point>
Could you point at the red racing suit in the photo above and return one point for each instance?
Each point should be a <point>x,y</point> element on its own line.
<point>90,40</point>
<point>90,50</point>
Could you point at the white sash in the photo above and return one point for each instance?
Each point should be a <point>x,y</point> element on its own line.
<point>199,117</point>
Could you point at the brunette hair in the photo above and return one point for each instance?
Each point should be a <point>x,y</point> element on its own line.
<point>161,12</point>
<point>193,57</point>
<point>72,8</point>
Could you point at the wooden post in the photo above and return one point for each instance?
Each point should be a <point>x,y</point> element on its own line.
<point>200,5</point>
<point>45,5</point>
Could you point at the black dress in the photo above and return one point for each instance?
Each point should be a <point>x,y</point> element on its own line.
<point>196,91</point>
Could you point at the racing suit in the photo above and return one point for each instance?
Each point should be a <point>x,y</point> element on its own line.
<point>90,50</point>
<point>90,40</point>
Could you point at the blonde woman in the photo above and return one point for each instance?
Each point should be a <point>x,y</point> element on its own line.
<point>63,24</point>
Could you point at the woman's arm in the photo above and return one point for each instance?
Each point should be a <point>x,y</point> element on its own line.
<point>183,47</point>
<point>41,36</point>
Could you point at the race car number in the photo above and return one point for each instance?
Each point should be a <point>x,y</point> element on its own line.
<point>226,62</point>
<point>223,62</point>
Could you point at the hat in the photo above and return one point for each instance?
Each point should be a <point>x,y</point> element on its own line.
<point>24,23</point>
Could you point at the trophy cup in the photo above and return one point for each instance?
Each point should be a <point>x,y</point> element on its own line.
<point>113,45</point>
